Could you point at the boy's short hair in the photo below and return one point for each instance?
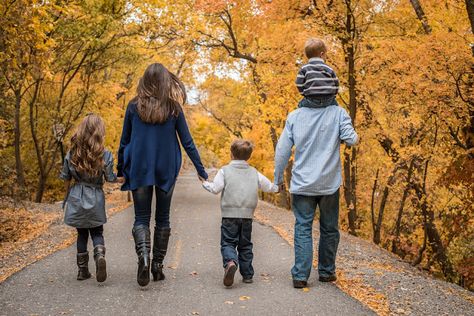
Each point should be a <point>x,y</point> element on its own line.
<point>314,47</point>
<point>241,149</point>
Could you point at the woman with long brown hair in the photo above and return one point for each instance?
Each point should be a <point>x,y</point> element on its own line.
<point>88,164</point>
<point>149,159</point>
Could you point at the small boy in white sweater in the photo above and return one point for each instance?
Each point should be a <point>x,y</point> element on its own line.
<point>239,183</point>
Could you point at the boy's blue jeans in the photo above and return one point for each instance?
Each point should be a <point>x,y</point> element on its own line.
<point>236,244</point>
<point>304,208</point>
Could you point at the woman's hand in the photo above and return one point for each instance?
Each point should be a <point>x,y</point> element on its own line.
<point>120,180</point>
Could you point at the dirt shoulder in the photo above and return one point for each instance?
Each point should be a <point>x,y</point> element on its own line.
<point>376,277</point>
<point>31,231</point>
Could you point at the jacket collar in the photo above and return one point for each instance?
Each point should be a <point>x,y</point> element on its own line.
<point>316,59</point>
<point>239,163</point>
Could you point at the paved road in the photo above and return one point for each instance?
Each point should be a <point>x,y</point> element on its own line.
<point>194,274</point>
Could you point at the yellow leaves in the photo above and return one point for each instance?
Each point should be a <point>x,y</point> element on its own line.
<point>244,298</point>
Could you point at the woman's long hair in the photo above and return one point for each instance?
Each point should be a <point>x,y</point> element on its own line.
<point>87,146</point>
<point>160,94</point>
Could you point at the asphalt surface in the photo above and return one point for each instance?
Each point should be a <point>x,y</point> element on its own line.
<point>193,284</point>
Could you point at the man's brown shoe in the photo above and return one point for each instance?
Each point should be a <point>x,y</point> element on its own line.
<point>299,284</point>
<point>330,278</point>
<point>230,270</point>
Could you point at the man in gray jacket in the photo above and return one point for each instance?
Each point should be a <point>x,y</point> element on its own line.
<point>316,134</point>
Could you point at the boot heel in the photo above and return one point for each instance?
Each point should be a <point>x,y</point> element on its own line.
<point>157,271</point>
<point>100,263</point>
<point>143,277</point>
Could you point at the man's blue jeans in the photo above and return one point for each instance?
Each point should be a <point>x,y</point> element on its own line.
<point>304,208</point>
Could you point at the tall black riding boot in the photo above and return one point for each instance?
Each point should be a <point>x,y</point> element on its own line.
<point>100,264</point>
<point>83,265</point>
<point>141,234</point>
<point>160,246</point>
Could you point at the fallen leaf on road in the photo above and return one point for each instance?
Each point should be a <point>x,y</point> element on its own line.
<point>172,267</point>
<point>305,289</point>
<point>194,273</point>
<point>244,298</point>
<point>229,302</point>
<point>195,313</point>
<point>264,274</point>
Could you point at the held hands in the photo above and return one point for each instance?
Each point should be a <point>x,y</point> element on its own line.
<point>120,180</point>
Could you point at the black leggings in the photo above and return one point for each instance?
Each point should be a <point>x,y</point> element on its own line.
<point>83,235</point>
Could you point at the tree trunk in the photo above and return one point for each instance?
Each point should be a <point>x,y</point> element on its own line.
<point>350,155</point>
<point>20,176</point>
<point>470,13</point>
<point>372,201</point>
<point>350,188</point>
<point>39,158</point>
<point>418,259</point>
<point>383,202</point>
<point>398,224</point>
<point>434,238</point>
<point>40,189</point>
<point>421,15</point>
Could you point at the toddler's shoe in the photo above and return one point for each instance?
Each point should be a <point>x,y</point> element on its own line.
<point>229,272</point>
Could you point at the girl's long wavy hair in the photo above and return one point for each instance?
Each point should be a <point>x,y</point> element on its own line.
<point>87,146</point>
<point>160,94</point>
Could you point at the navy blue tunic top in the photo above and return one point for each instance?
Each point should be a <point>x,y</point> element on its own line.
<point>150,154</point>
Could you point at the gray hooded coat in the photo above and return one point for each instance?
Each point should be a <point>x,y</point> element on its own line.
<point>85,202</point>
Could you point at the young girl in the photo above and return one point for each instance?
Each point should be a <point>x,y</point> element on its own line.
<point>150,159</point>
<point>88,164</point>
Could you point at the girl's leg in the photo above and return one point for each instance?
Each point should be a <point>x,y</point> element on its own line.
<point>99,252</point>
<point>141,232</point>
<point>82,238</point>
<point>82,254</point>
<point>97,235</point>
<point>162,231</point>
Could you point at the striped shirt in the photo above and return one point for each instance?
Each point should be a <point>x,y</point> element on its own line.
<point>316,134</point>
<point>317,79</point>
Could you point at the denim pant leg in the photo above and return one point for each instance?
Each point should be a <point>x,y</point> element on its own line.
<point>142,203</point>
<point>329,234</point>
<point>163,202</point>
<point>245,247</point>
<point>304,208</point>
<point>82,238</point>
<point>230,230</point>
<point>97,235</point>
